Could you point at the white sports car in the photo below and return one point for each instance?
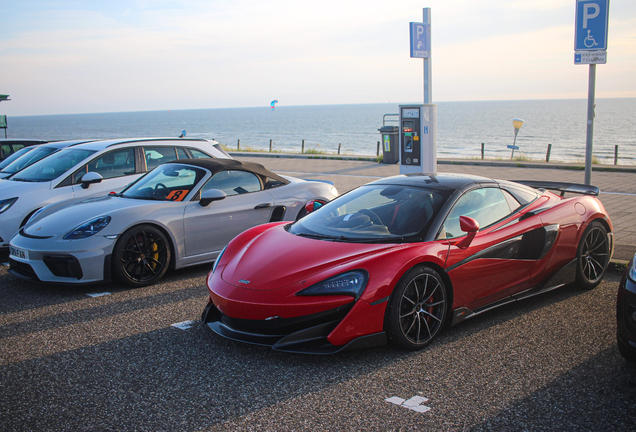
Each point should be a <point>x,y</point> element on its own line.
<point>89,169</point>
<point>180,214</point>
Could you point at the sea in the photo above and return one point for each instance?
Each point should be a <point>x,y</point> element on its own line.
<point>462,127</point>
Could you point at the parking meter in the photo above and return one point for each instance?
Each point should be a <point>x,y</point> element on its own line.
<point>418,138</point>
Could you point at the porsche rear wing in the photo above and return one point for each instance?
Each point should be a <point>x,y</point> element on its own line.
<point>561,187</point>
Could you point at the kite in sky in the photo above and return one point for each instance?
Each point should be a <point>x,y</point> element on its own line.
<point>273,104</point>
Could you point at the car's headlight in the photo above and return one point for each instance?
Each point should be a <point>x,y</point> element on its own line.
<point>5,204</point>
<point>216,263</point>
<point>88,229</point>
<point>632,269</point>
<point>351,283</point>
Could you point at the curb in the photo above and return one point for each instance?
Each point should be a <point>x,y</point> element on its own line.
<point>503,164</point>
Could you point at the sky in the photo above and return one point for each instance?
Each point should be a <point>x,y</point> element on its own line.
<point>68,57</point>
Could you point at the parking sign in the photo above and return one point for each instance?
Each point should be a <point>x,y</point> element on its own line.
<point>591,26</point>
<point>420,40</point>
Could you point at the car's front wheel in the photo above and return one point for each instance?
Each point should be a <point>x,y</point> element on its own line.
<point>417,309</point>
<point>592,255</point>
<point>141,256</point>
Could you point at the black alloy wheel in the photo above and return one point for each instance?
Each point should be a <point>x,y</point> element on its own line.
<point>141,256</point>
<point>592,256</point>
<point>417,309</point>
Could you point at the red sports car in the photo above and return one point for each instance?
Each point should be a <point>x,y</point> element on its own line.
<point>399,258</point>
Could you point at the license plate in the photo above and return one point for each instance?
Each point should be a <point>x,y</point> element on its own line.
<point>19,253</point>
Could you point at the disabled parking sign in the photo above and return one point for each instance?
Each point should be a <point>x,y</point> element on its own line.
<point>591,26</point>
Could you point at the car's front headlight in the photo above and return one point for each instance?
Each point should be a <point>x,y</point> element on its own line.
<point>632,269</point>
<point>88,229</point>
<point>218,258</point>
<point>6,204</point>
<point>351,283</point>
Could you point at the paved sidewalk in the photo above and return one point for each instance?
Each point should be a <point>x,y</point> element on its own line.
<point>617,184</point>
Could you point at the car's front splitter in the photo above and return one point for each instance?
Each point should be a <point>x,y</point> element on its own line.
<point>304,335</point>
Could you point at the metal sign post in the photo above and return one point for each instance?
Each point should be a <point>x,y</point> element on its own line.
<point>3,118</point>
<point>590,45</point>
<point>418,133</point>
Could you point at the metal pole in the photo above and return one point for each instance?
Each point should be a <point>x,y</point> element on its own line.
<point>428,87</point>
<point>482,151</point>
<point>339,144</point>
<point>270,146</point>
<point>238,145</point>
<point>616,154</point>
<point>547,155</point>
<point>302,149</point>
<point>590,125</point>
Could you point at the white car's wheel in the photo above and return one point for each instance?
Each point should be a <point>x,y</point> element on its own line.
<point>141,256</point>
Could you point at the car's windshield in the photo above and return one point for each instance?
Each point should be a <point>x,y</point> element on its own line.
<point>53,166</point>
<point>15,156</point>
<point>169,182</point>
<point>373,212</point>
<point>29,159</point>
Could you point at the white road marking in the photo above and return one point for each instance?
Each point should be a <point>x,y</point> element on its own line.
<point>5,264</point>
<point>98,294</point>
<point>414,404</point>
<point>183,325</point>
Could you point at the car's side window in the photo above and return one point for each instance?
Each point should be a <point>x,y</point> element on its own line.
<point>155,156</point>
<point>485,205</point>
<point>116,163</point>
<point>512,201</point>
<point>182,153</point>
<point>234,182</point>
<point>196,154</point>
<point>6,150</point>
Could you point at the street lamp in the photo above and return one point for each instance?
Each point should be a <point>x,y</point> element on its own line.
<point>516,123</point>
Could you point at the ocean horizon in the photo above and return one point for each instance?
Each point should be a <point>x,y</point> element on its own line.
<point>461,127</point>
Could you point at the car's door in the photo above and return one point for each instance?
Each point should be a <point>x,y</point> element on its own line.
<point>502,256</point>
<point>116,167</point>
<point>210,228</point>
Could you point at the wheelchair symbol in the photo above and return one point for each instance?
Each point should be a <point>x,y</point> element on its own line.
<point>589,40</point>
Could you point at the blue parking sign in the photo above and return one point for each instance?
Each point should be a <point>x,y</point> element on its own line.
<point>591,26</point>
<point>420,40</point>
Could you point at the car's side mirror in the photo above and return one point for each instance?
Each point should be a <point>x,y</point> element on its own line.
<point>90,178</point>
<point>211,195</point>
<point>314,205</point>
<point>469,226</point>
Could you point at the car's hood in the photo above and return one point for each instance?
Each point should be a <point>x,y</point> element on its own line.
<point>276,258</point>
<point>63,217</point>
<point>11,188</point>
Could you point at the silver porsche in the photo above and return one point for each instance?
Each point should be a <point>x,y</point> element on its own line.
<point>180,214</point>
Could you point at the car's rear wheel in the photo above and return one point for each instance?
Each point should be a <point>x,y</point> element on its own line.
<point>592,256</point>
<point>141,256</point>
<point>417,309</point>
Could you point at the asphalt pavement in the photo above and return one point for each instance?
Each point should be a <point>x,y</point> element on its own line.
<point>107,357</point>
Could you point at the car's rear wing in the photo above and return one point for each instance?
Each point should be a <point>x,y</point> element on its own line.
<point>561,187</point>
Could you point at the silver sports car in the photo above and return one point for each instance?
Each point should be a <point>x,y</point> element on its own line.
<point>180,214</point>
